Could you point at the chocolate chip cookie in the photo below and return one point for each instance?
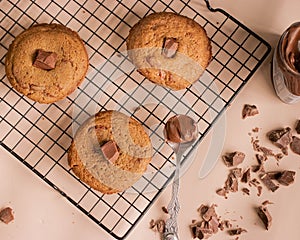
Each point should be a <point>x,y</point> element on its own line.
<point>110,152</point>
<point>46,62</point>
<point>169,49</point>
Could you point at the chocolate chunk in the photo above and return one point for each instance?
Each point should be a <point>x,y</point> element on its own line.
<point>236,231</point>
<point>286,178</point>
<point>6,215</point>
<point>265,216</point>
<point>237,172</point>
<point>295,145</point>
<point>297,128</point>
<point>268,182</point>
<point>246,176</point>
<point>281,138</point>
<point>110,151</point>
<point>45,60</point>
<point>249,110</point>
<point>233,159</point>
<point>170,47</point>
<point>231,183</point>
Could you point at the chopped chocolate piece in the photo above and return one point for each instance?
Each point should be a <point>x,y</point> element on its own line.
<point>236,231</point>
<point>297,128</point>
<point>6,215</point>
<point>233,159</point>
<point>249,110</point>
<point>45,60</point>
<point>295,145</point>
<point>170,47</point>
<point>286,178</point>
<point>268,182</point>
<point>246,176</point>
<point>210,213</point>
<point>158,225</point>
<point>274,175</point>
<point>110,151</point>
<point>265,216</point>
<point>255,130</point>
<point>231,183</point>
<point>266,151</point>
<point>246,190</point>
<point>260,158</point>
<point>165,210</point>
<point>258,168</point>
<point>213,224</point>
<point>281,138</point>
<point>237,172</point>
<point>200,230</point>
<point>222,192</point>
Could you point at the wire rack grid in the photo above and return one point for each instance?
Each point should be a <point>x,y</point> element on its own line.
<point>39,135</point>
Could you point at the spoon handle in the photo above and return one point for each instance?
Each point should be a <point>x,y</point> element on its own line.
<point>173,207</point>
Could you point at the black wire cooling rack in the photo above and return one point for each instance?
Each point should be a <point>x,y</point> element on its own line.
<point>39,135</point>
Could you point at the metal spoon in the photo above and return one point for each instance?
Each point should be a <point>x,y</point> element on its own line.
<point>180,132</point>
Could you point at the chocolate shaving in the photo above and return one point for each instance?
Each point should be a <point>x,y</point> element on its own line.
<point>246,191</point>
<point>233,159</point>
<point>295,145</point>
<point>236,231</point>
<point>249,110</point>
<point>164,209</point>
<point>265,216</point>
<point>45,60</point>
<point>6,215</point>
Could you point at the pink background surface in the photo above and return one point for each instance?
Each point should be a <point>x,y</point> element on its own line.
<point>41,213</point>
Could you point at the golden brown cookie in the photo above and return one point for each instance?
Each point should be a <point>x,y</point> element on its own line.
<point>110,152</point>
<point>46,62</point>
<point>169,49</point>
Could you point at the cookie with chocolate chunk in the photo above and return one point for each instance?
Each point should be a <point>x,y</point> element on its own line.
<point>46,62</point>
<point>110,152</point>
<point>169,49</point>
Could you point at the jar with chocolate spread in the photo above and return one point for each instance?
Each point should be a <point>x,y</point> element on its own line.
<point>286,65</point>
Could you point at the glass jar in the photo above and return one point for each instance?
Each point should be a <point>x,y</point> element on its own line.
<point>286,65</point>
